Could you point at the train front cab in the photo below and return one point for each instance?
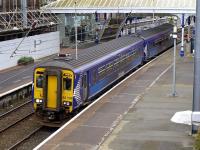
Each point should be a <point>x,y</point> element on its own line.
<point>53,93</point>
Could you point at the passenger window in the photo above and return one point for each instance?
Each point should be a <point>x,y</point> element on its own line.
<point>94,76</point>
<point>39,81</point>
<point>67,83</point>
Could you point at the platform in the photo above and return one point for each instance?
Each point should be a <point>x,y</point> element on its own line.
<point>14,77</point>
<point>136,114</point>
<point>19,75</point>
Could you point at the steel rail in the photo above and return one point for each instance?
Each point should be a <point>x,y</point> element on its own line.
<point>24,139</point>
<point>16,122</point>
<point>14,109</point>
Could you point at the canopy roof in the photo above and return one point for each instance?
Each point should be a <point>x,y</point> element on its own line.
<point>122,6</point>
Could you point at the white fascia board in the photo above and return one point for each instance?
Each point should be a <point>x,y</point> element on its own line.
<point>122,10</point>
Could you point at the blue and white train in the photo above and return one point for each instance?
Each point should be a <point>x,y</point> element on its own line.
<point>64,84</point>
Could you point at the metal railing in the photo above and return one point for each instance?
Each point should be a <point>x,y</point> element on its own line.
<point>122,25</point>
<point>144,23</point>
<point>104,27</point>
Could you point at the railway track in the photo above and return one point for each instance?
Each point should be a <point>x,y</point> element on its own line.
<point>14,109</point>
<point>17,124</point>
<point>33,139</point>
<point>14,116</point>
<point>18,128</point>
<point>16,145</point>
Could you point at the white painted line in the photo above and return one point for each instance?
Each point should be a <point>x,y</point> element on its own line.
<point>16,81</point>
<point>75,117</point>
<point>26,77</point>
<point>159,76</point>
<point>15,89</point>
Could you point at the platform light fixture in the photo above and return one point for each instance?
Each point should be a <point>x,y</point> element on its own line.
<point>182,35</point>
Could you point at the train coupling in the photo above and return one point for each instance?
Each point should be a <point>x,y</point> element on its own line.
<point>51,115</point>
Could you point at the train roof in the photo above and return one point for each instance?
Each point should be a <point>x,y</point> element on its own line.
<point>88,55</point>
<point>150,32</point>
<point>93,53</point>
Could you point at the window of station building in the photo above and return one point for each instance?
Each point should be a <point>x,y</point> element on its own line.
<point>39,81</point>
<point>67,84</point>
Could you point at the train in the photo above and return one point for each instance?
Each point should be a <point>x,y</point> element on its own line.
<point>63,85</point>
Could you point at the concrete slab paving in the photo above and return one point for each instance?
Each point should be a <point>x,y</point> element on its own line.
<point>123,98</point>
<point>147,125</point>
<point>101,120</point>
<point>86,135</point>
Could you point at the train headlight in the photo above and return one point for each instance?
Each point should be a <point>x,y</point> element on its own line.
<point>66,103</point>
<point>38,101</point>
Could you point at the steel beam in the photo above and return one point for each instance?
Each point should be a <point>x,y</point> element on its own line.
<point>24,12</point>
<point>196,85</point>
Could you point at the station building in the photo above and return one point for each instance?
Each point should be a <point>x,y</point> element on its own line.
<point>25,31</point>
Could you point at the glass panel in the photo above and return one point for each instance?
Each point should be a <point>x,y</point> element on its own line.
<point>39,81</point>
<point>67,83</point>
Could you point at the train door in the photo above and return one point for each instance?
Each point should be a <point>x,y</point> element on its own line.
<point>146,52</point>
<point>85,86</point>
<point>52,91</point>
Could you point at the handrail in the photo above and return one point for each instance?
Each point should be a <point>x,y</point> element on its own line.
<point>104,27</point>
<point>122,25</point>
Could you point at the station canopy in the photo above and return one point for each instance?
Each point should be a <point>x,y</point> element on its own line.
<point>122,6</point>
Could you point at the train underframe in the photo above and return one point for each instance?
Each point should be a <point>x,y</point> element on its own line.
<point>51,117</point>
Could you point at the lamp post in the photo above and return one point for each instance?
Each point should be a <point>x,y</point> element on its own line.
<point>174,35</point>
<point>153,12</point>
<point>75,23</point>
